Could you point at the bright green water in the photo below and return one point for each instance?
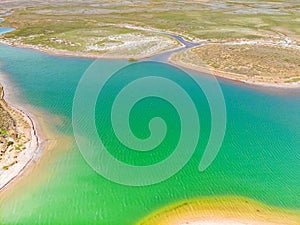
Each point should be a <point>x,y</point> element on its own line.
<point>260,156</point>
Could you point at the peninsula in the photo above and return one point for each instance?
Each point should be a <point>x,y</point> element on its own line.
<point>18,141</point>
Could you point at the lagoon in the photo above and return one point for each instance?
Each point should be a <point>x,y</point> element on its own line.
<point>259,157</point>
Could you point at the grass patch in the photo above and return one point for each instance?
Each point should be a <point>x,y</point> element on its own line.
<point>132,60</point>
<point>10,143</point>
<point>3,132</point>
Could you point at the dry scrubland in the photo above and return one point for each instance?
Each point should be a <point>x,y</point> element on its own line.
<point>15,134</point>
<point>254,63</point>
<point>134,29</point>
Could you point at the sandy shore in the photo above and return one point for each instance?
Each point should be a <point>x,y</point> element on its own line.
<point>229,210</point>
<point>26,125</point>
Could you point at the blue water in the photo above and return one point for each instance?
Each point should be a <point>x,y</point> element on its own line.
<point>4,30</point>
<point>187,44</point>
<point>259,158</point>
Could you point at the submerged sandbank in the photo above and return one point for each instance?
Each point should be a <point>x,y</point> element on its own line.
<point>229,210</point>
<point>45,138</point>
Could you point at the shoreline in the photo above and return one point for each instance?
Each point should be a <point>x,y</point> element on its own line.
<point>231,77</point>
<point>225,210</point>
<point>33,147</point>
<point>82,55</point>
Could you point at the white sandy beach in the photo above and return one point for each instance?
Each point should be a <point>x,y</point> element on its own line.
<point>32,147</point>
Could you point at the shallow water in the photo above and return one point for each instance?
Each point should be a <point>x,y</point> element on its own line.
<point>259,157</point>
<point>4,30</point>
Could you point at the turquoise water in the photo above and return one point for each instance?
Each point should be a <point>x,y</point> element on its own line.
<point>259,158</point>
<point>4,30</point>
